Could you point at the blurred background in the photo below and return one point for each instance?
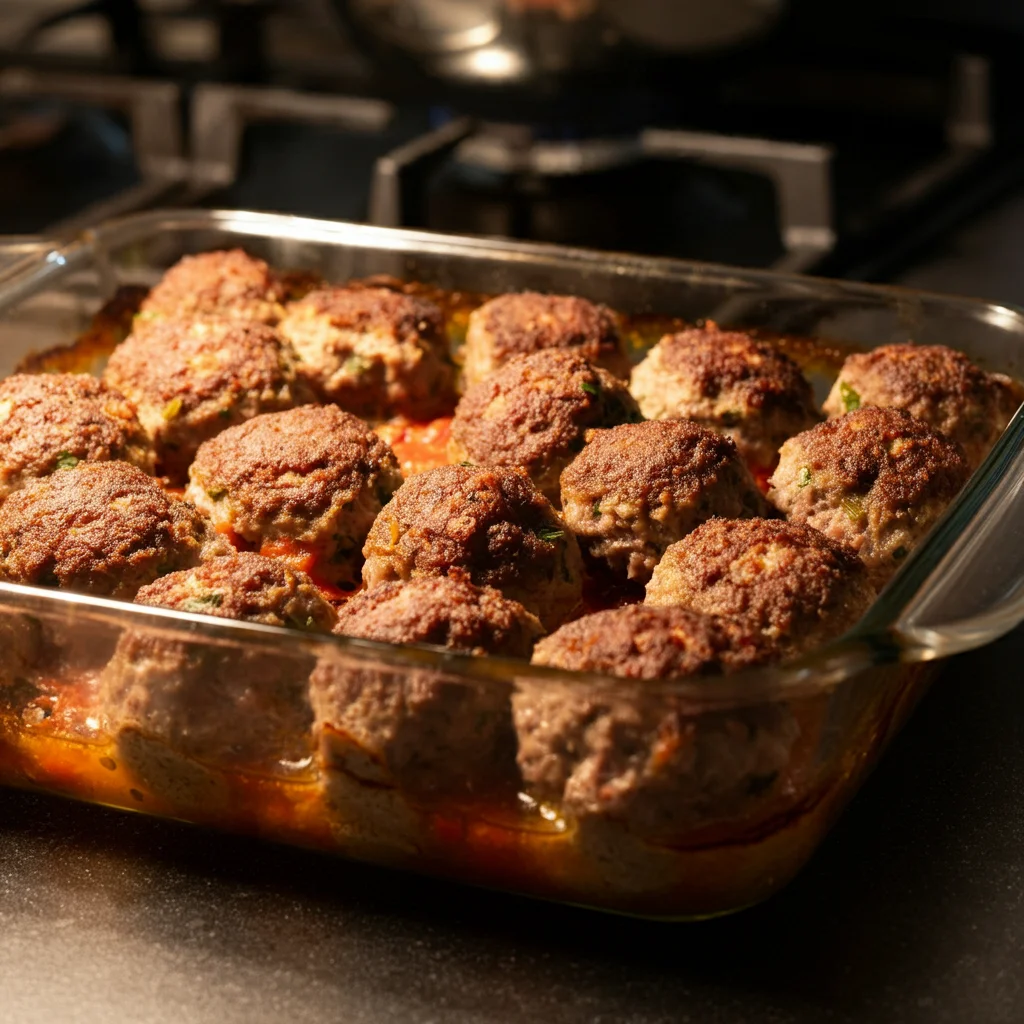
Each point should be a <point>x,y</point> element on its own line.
<point>876,139</point>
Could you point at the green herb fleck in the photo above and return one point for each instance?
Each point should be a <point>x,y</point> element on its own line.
<point>899,554</point>
<point>853,507</point>
<point>730,418</point>
<point>296,623</point>
<point>595,512</point>
<point>803,477</point>
<point>849,397</point>
<point>591,388</point>
<point>203,603</point>
<point>354,366</point>
<point>224,414</point>
<point>468,465</point>
<point>172,408</point>
<point>65,460</point>
<point>550,534</point>
<point>216,493</point>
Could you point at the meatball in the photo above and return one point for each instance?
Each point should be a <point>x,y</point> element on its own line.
<point>639,487</point>
<point>491,527</point>
<point>790,583</point>
<point>425,734</point>
<point>190,380</point>
<point>171,703</point>
<point>533,413</point>
<point>227,283</point>
<point>315,476</point>
<point>54,421</point>
<point>875,479</point>
<point>641,756</point>
<point>939,386</point>
<point>526,322</point>
<point>444,612</point>
<point>374,351</point>
<point>730,383</point>
<point>101,528</point>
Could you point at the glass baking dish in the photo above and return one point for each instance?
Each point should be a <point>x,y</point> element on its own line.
<point>759,764</point>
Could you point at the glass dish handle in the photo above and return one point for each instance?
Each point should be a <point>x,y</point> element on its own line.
<point>973,591</point>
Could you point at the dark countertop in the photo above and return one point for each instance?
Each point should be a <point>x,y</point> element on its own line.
<point>912,911</point>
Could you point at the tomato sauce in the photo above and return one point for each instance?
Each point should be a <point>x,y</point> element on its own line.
<point>418,446</point>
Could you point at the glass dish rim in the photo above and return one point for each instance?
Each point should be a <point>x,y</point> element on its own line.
<point>877,639</point>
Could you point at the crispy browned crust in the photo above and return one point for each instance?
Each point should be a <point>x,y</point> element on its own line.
<point>644,642</point>
<point>722,360</point>
<point>191,379</point>
<point>87,353</point>
<point>373,350</point>
<point>444,612</point>
<point>785,580</point>
<point>491,526</point>
<point>936,384</point>
<point>525,322</point>
<point>244,586</point>
<point>228,283</point>
<point>729,382</point>
<point>51,421</point>
<point>887,453</point>
<point>116,314</point>
<point>359,308</point>
<point>101,528</point>
<point>535,411</point>
<point>658,462</point>
<point>296,466</point>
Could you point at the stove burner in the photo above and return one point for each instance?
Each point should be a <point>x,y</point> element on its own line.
<point>622,191</point>
<point>153,166</point>
<point>795,160</point>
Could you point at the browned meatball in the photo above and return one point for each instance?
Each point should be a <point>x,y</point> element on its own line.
<point>247,587</point>
<point>637,488</point>
<point>101,528</point>
<point>191,379</point>
<point>637,755</point>
<point>444,612</point>
<point>374,351</point>
<point>314,475</point>
<point>730,383</point>
<point>790,583</point>
<point>939,386</point>
<point>534,412</point>
<point>489,526</point>
<point>525,322</point>
<point>54,421</point>
<point>875,479</point>
<point>227,283</point>
<point>173,702</point>
<point>423,733</point>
